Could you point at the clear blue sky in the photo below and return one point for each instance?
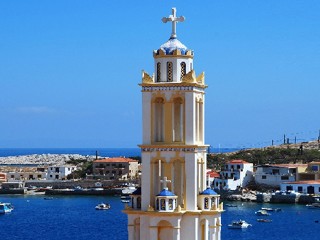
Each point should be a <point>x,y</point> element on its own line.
<point>69,69</point>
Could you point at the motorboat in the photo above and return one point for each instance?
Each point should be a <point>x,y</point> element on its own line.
<point>262,213</point>
<point>6,207</point>
<point>239,224</point>
<point>264,220</point>
<point>103,206</point>
<point>272,209</point>
<point>313,206</point>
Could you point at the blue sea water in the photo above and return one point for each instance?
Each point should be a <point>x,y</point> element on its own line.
<point>103,152</point>
<point>71,218</point>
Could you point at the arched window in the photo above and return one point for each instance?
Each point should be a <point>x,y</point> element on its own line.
<point>169,72</point>
<point>206,203</point>
<point>158,72</point>
<point>183,69</point>
<point>158,120</point>
<point>177,120</point>
<point>139,202</point>
<point>178,180</point>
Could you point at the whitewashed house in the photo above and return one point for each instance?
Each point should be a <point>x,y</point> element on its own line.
<point>60,172</point>
<point>235,174</point>
<point>274,175</point>
<point>307,187</point>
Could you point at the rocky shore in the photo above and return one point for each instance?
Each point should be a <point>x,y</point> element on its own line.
<point>44,159</point>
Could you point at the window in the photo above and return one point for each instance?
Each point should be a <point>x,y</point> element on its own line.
<point>163,204</point>
<point>158,72</point>
<point>284,178</point>
<point>206,203</point>
<point>170,204</point>
<point>159,120</point>
<point>169,72</point>
<point>263,177</point>
<point>139,202</point>
<point>300,189</point>
<point>177,120</point>
<point>183,69</point>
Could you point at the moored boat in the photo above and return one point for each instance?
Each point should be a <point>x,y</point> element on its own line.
<point>239,224</point>
<point>103,206</point>
<point>6,207</point>
<point>262,213</point>
<point>313,206</point>
<point>264,220</point>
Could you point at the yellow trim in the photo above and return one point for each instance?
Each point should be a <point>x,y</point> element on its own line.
<point>173,84</point>
<point>172,56</point>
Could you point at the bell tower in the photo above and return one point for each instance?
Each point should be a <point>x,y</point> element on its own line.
<point>173,201</point>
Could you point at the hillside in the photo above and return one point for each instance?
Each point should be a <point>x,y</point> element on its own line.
<point>282,154</point>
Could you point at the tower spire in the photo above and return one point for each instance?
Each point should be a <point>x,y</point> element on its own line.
<point>174,19</point>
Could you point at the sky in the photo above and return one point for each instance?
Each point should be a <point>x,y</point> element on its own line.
<point>69,70</point>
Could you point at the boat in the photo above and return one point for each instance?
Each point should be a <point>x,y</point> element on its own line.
<point>262,213</point>
<point>231,205</point>
<point>6,207</point>
<point>271,209</point>
<point>103,206</point>
<point>239,224</point>
<point>48,198</point>
<point>264,220</point>
<point>313,206</point>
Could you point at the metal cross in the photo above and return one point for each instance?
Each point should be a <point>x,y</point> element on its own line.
<point>164,182</point>
<point>173,18</point>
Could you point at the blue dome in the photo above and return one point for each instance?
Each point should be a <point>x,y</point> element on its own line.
<point>173,44</point>
<point>166,193</point>
<point>208,191</point>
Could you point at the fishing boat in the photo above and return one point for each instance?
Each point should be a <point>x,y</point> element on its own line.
<point>103,206</point>
<point>6,207</point>
<point>239,224</point>
<point>264,220</point>
<point>262,213</point>
<point>313,206</point>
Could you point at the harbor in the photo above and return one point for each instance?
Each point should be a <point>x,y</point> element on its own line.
<point>65,217</point>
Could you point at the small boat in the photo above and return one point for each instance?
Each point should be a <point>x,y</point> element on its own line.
<point>125,200</point>
<point>271,209</point>
<point>239,224</point>
<point>313,206</point>
<point>103,206</point>
<point>262,213</point>
<point>48,198</point>
<point>264,220</point>
<point>231,205</point>
<point>6,207</point>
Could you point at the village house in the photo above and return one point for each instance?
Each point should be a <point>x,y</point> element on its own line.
<point>306,187</point>
<point>312,172</point>
<point>60,172</point>
<point>275,174</point>
<point>235,174</point>
<point>116,168</point>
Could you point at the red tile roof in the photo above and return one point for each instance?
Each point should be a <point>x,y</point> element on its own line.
<point>213,174</point>
<point>237,161</point>
<point>114,160</point>
<point>305,182</point>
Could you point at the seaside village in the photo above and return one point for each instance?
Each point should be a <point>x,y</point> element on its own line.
<point>170,193</point>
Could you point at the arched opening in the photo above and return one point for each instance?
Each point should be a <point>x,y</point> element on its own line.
<point>158,120</point>
<point>157,175</point>
<point>183,69</point>
<point>137,229</point>
<point>169,72</point>
<point>165,230</point>
<point>177,120</point>
<point>178,180</point>
<point>158,72</point>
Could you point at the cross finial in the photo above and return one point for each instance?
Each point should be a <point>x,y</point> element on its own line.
<point>164,182</point>
<point>174,19</point>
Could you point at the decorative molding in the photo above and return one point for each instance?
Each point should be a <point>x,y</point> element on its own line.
<point>190,77</point>
<point>171,88</point>
<point>146,78</point>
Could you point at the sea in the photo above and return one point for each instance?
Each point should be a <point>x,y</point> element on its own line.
<point>75,217</point>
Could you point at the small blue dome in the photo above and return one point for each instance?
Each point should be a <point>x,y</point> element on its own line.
<point>208,191</point>
<point>166,193</point>
<point>137,192</point>
<point>173,44</point>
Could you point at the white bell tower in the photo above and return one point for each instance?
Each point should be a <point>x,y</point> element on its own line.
<point>173,152</point>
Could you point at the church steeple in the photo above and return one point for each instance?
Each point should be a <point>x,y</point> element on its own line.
<point>173,147</point>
